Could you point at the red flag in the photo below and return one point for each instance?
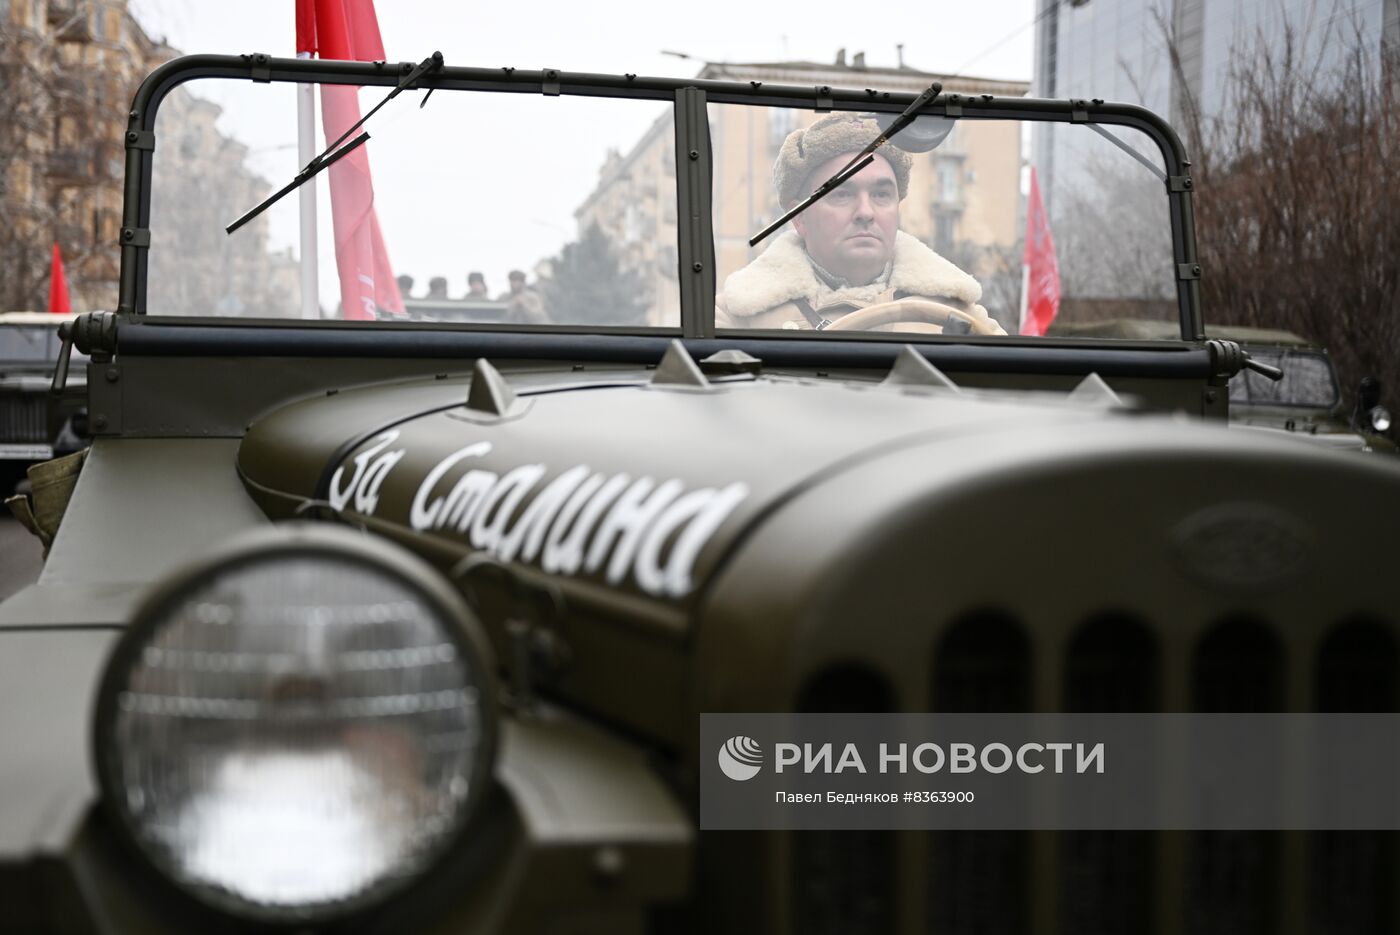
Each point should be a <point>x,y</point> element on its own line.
<point>58,285</point>
<point>348,29</point>
<point>1040,286</point>
<point>306,28</point>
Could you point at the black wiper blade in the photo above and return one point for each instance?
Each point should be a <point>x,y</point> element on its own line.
<point>858,162</point>
<point>312,169</point>
<point>431,63</point>
<point>331,154</point>
<point>822,191</point>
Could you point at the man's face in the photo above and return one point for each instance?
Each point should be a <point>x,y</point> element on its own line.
<point>517,284</point>
<point>851,231</point>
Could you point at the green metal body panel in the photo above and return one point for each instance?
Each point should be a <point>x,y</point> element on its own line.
<point>141,507</point>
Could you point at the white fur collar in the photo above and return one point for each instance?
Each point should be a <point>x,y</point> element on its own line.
<point>783,272</point>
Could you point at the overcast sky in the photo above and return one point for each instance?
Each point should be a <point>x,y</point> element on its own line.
<point>629,35</point>
<point>993,39</point>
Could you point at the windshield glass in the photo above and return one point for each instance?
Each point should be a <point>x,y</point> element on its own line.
<point>531,210</point>
<point>940,218</point>
<point>27,344</point>
<point>1308,380</point>
<point>492,208</point>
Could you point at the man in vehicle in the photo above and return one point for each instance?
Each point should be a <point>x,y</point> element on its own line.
<point>845,252</point>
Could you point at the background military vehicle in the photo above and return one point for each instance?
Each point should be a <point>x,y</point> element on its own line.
<point>393,626</point>
<point>34,425</point>
<point>1308,399</point>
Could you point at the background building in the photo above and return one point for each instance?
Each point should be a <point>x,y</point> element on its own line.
<point>195,268</point>
<point>1119,50</point>
<point>634,205</point>
<point>69,70</point>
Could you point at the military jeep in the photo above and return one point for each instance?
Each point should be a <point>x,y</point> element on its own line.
<point>1307,400</point>
<point>34,424</point>
<point>356,622</point>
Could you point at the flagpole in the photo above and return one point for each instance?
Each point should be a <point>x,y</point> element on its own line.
<point>1026,257</point>
<point>306,151</point>
<point>1025,294</point>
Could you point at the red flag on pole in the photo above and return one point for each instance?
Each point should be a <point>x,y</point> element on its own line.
<point>58,285</point>
<point>1040,284</point>
<point>306,28</point>
<point>348,29</point>
<point>310,265</point>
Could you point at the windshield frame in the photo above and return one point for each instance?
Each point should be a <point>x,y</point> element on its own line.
<point>694,168</point>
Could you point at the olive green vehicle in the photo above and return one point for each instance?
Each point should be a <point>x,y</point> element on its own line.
<point>34,424</point>
<point>401,626</point>
<point>1306,401</point>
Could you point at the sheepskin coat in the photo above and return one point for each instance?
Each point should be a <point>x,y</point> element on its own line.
<point>764,293</point>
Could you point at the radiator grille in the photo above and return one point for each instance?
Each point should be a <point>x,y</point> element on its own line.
<point>1232,878</point>
<point>1107,882</point>
<point>978,880</point>
<point>1351,874</point>
<point>1106,878</point>
<point>24,420</point>
<point>843,881</point>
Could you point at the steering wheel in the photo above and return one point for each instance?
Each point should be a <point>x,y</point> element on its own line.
<point>912,311</point>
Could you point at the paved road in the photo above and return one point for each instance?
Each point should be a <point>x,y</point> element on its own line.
<point>21,555</point>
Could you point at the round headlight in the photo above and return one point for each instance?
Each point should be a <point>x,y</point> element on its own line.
<point>299,726</point>
<point>1380,418</point>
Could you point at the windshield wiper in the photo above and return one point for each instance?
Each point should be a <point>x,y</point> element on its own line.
<point>1128,149</point>
<point>312,169</point>
<point>330,155</point>
<point>858,162</point>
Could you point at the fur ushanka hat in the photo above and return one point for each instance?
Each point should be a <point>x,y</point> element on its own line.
<point>831,136</point>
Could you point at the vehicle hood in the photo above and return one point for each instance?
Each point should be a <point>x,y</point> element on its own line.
<point>612,482</point>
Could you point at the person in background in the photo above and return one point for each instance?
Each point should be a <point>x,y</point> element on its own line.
<point>437,287</point>
<point>476,286</point>
<point>405,285</point>
<point>525,305</point>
